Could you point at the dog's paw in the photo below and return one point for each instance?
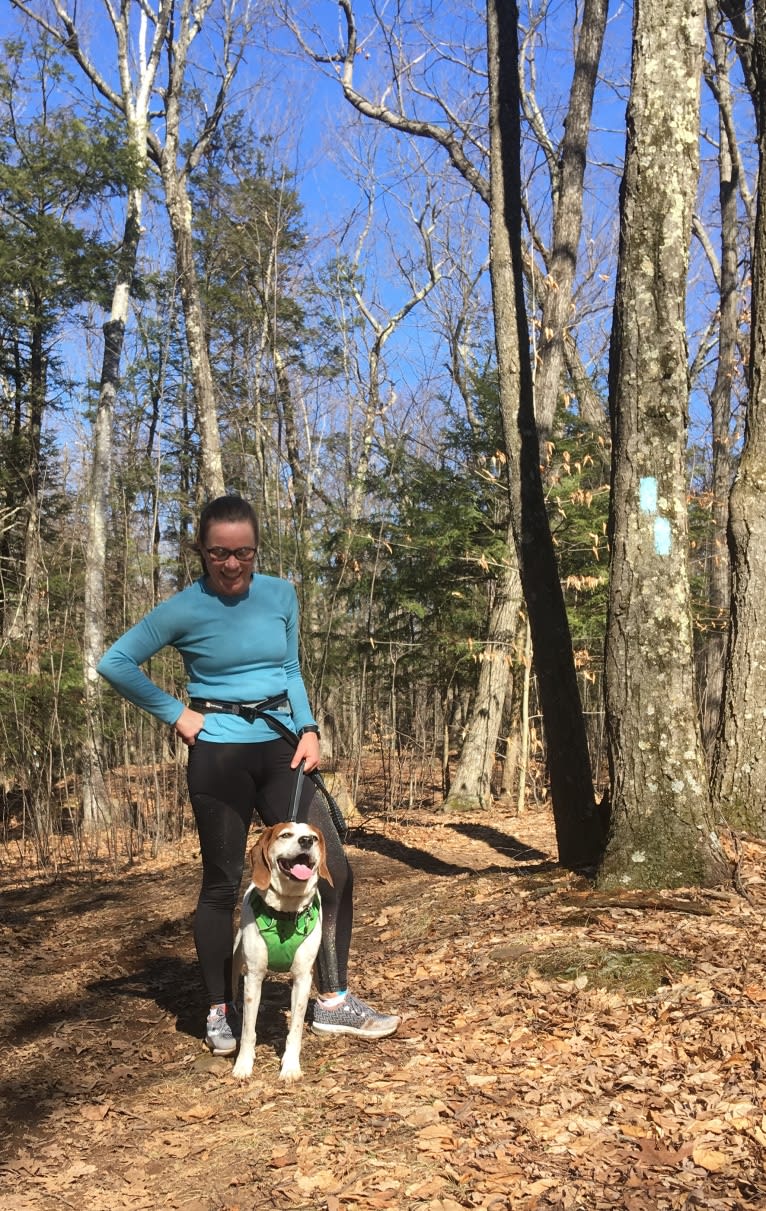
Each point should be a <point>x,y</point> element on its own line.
<point>242,1069</point>
<point>290,1072</point>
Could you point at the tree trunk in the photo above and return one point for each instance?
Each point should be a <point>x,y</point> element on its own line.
<point>557,312</point>
<point>578,826</point>
<point>471,785</point>
<point>739,765</point>
<point>97,806</point>
<point>180,215</point>
<point>662,826</point>
<point>713,653</point>
<point>25,625</point>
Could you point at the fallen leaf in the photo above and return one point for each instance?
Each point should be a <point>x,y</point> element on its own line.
<point>710,1159</point>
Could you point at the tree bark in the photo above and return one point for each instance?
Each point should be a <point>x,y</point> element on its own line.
<point>739,764</point>
<point>97,806</point>
<point>29,608</point>
<point>662,830</point>
<point>180,215</point>
<point>578,825</point>
<point>557,311</point>
<point>713,653</point>
<point>471,784</point>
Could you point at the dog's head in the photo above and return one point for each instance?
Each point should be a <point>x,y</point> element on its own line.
<point>288,856</point>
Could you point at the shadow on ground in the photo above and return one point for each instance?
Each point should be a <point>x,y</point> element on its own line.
<point>503,843</point>
<point>429,863</point>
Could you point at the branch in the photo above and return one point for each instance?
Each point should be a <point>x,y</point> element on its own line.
<point>343,61</point>
<point>70,41</point>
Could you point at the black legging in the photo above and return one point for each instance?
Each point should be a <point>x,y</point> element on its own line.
<point>226,783</point>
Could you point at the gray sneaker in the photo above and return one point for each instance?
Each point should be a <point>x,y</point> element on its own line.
<point>222,1029</point>
<point>353,1016</point>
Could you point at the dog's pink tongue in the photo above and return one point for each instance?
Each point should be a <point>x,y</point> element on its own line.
<point>299,871</point>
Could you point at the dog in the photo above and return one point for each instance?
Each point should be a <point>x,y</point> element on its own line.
<point>280,930</point>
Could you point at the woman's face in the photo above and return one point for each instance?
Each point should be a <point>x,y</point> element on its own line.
<point>229,576</point>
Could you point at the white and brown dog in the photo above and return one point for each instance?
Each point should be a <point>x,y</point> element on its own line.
<point>280,930</point>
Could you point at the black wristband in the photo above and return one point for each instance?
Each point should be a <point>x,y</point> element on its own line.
<point>312,727</point>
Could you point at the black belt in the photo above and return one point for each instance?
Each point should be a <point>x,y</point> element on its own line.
<point>249,711</point>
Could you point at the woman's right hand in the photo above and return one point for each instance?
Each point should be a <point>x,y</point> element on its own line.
<point>189,724</point>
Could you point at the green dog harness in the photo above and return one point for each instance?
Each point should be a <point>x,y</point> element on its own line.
<point>283,932</point>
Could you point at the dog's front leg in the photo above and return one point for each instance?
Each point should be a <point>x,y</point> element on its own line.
<point>254,975</point>
<point>290,1069</point>
<point>302,973</point>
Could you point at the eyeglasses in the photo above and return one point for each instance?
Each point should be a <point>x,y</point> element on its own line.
<point>221,554</point>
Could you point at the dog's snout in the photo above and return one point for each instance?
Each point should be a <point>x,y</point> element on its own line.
<point>306,840</point>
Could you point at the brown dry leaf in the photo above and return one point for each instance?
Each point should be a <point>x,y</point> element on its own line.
<point>282,1157</point>
<point>710,1159</point>
<point>436,1131</point>
<point>322,1181</point>
<point>755,992</point>
<point>198,1114</point>
<point>425,1189</point>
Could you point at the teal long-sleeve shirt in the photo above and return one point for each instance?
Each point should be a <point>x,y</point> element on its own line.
<point>234,649</point>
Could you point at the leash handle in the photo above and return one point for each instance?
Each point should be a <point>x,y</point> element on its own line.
<point>336,815</point>
<point>299,776</point>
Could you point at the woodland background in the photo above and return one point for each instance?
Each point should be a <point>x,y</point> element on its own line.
<point>270,248</point>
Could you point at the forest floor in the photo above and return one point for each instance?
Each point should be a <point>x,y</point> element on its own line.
<point>559,1048</point>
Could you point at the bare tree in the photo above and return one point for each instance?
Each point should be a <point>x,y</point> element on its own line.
<point>578,825</point>
<point>567,171</point>
<point>462,135</point>
<point>175,156</point>
<point>739,765</point>
<point>136,96</point>
<point>722,397</point>
<point>662,830</point>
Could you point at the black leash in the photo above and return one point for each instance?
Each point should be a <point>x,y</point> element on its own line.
<point>292,815</point>
<point>336,815</point>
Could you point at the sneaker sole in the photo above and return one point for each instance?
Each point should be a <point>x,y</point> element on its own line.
<point>359,1032</point>
<point>220,1050</point>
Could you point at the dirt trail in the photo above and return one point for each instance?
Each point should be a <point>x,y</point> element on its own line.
<point>533,1068</point>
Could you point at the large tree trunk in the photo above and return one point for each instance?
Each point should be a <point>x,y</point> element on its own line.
<point>739,765</point>
<point>578,825</point>
<point>662,827</point>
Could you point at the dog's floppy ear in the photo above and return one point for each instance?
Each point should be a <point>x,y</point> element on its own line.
<point>259,860</point>
<point>324,870</point>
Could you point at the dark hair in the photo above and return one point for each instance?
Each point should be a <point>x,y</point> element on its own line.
<point>225,508</point>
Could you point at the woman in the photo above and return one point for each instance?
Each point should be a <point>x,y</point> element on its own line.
<point>237,632</point>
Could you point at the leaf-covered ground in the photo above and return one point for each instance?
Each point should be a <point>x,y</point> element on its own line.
<point>559,1049</point>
